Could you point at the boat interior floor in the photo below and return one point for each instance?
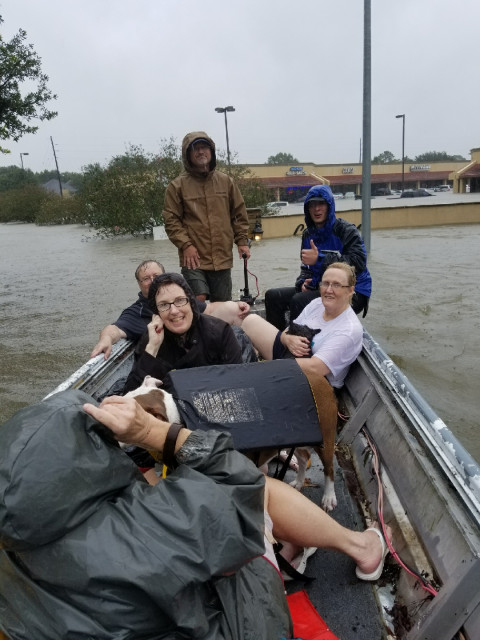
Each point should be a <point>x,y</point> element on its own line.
<point>349,606</point>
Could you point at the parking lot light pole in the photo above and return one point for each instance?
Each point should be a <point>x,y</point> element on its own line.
<point>224,111</point>
<point>21,158</point>
<point>402,115</point>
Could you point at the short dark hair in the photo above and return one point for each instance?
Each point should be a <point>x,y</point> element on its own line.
<point>165,279</point>
<point>143,264</point>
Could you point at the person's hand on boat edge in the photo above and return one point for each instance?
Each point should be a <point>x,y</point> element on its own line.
<point>109,336</point>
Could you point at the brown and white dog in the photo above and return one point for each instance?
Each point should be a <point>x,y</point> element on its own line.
<point>161,404</point>
<point>156,401</point>
<point>326,404</point>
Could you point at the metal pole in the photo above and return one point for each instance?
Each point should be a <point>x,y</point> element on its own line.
<point>56,164</point>
<point>226,133</point>
<point>402,115</point>
<point>25,153</point>
<point>224,111</point>
<point>367,126</point>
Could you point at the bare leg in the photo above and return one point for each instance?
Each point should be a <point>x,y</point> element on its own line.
<point>227,311</point>
<point>261,333</point>
<point>312,527</point>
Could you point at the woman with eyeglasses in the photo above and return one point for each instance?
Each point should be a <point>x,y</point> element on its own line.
<point>339,341</point>
<point>179,337</point>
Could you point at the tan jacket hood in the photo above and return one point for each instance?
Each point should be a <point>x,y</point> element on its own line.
<point>187,141</point>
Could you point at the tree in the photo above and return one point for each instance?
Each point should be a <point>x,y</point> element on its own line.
<point>253,192</point>
<point>14,177</point>
<point>438,156</point>
<point>282,158</point>
<point>21,204</point>
<point>386,157</point>
<point>127,196</point>
<point>19,64</point>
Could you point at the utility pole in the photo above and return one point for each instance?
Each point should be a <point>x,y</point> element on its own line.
<point>56,164</point>
<point>367,124</point>
<point>402,115</point>
<point>224,111</point>
<point>21,158</point>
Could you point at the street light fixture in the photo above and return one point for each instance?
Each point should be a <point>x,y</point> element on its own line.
<point>402,115</point>
<point>21,157</point>
<point>224,111</point>
<point>257,231</point>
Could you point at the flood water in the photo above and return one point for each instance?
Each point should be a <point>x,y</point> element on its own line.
<point>61,285</point>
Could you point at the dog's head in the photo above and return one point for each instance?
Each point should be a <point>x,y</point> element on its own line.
<point>154,400</point>
<point>302,330</point>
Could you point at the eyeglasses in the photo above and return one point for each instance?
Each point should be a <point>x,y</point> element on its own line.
<point>149,278</point>
<point>334,285</point>
<point>178,302</point>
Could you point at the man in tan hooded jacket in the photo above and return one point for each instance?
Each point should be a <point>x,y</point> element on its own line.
<point>204,215</point>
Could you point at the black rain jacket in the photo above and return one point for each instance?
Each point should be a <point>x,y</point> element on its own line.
<point>89,550</point>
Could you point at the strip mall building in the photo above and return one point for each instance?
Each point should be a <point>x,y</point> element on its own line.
<point>291,183</point>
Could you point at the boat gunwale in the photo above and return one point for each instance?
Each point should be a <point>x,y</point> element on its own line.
<point>457,464</point>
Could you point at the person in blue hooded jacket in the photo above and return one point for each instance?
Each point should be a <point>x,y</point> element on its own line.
<point>326,239</point>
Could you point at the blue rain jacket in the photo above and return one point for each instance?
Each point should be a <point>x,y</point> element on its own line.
<point>337,235</point>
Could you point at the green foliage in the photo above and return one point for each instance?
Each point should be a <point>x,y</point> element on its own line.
<point>127,196</point>
<point>282,158</point>
<point>251,188</point>
<point>22,205</point>
<point>14,177</point>
<point>386,157</point>
<point>438,156</point>
<point>57,210</point>
<point>20,64</point>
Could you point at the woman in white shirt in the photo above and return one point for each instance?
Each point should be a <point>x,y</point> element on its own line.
<point>335,347</point>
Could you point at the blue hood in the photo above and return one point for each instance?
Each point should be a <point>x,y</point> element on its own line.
<point>322,191</point>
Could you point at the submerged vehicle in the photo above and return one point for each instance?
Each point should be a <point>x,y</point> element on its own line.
<point>396,461</point>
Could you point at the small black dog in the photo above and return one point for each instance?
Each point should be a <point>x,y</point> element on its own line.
<point>303,331</point>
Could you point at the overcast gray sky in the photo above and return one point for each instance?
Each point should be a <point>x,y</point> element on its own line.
<point>138,71</point>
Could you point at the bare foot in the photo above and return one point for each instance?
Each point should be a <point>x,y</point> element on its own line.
<point>373,552</point>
